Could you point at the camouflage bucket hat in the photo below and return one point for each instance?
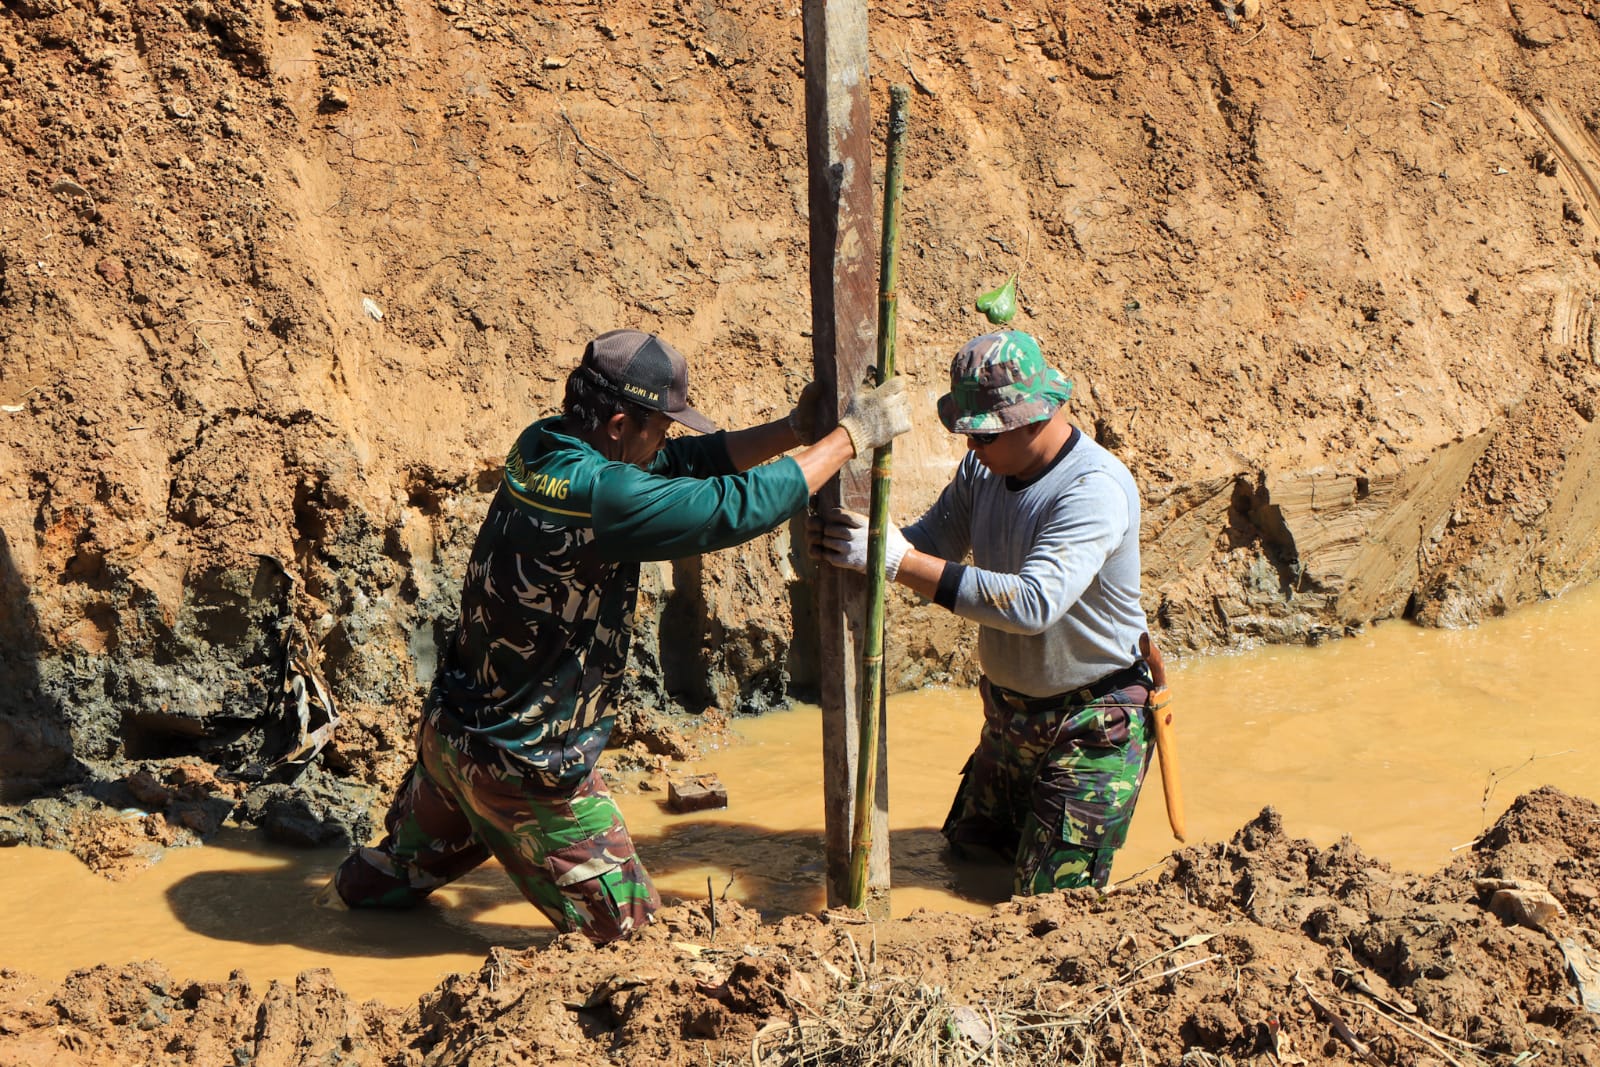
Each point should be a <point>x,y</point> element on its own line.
<point>998,382</point>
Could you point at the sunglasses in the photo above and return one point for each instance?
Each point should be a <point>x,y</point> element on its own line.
<point>982,438</point>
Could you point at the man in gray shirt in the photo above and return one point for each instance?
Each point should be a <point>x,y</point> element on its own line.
<point>1051,522</point>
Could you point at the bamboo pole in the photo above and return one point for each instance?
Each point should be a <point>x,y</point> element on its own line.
<point>871,707</point>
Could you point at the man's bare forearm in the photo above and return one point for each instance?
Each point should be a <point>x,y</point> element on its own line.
<point>821,461</point>
<point>818,462</point>
<point>920,572</point>
<point>754,446</point>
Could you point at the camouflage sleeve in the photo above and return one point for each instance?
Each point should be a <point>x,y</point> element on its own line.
<point>641,515</point>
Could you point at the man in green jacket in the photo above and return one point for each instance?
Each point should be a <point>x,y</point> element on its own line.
<point>521,707</point>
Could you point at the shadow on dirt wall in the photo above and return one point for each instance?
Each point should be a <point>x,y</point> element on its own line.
<point>273,906</point>
<point>35,745</point>
<point>684,658</point>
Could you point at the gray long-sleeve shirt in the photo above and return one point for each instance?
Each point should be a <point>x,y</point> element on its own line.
<point>1054,583</point>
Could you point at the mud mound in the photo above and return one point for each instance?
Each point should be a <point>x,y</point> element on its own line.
<point>1264,948</point>
<point>1547,835</point>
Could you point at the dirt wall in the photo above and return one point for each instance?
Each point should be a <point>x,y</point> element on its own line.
<point>278,284</point>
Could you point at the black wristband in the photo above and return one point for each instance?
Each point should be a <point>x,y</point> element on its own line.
<point>949,585</point>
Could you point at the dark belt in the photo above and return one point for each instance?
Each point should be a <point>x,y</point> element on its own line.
<point>1137,674</point>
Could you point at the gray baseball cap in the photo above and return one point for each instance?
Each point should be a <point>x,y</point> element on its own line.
<point>649,372</point>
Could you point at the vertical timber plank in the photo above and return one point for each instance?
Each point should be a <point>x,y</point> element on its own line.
<point>844,294</point>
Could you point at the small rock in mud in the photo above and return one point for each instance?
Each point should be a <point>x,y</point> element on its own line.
<point>1520,903</point>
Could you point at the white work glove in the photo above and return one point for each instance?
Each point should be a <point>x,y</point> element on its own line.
<point>803,418</point>
<point>877,416</point>
<point>840,537</point>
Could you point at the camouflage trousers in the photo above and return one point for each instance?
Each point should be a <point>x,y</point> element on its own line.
<point>1053,782</point>
<point>570,855</point>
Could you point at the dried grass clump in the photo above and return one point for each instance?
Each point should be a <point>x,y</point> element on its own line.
<point>876,1019</point>
<point>891,1020</point>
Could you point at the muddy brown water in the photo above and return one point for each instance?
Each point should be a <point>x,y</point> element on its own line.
<point>1411,741</point>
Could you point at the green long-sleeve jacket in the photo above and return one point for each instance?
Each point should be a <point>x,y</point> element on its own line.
<point>547,604</point>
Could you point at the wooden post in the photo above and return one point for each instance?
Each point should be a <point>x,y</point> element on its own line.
<point>844,294</point>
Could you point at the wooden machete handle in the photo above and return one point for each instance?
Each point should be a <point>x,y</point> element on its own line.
<point>1166,743</point>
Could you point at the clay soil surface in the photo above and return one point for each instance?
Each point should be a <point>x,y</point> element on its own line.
<point>1263,950</point>
<point>280,282</point>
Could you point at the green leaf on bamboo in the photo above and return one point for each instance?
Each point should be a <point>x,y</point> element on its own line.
<point>1000,305</point>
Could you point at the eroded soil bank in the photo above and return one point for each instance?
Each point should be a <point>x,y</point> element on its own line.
<point>1265,949</point>
<point>278,284</point>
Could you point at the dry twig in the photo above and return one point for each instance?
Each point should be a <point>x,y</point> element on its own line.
<point>1340,1027</point>
<point>1498,774</point>
<point>1419,1035</point>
